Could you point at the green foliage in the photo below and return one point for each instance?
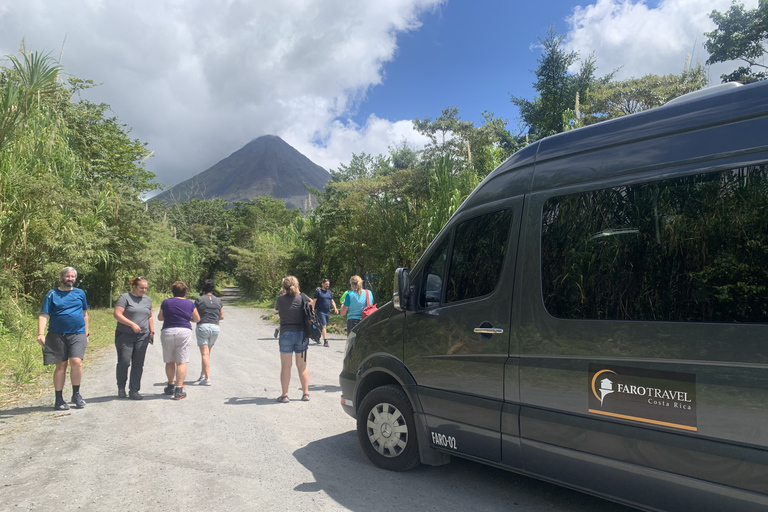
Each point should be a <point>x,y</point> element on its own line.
<point>740,35</point>
<point>21,87</point>
<point>622,97</point>
<point>480,149</point>
<point>558,90</point>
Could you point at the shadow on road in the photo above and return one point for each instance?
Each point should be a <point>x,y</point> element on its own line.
<point>254,400</point>
<point>341,470</point>
<point>18,411</point>
<point>89,400</point>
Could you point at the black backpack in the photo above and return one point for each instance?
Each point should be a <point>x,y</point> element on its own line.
<point>311,330</point>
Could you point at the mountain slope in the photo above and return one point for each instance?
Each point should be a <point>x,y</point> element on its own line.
<point>265,166</point>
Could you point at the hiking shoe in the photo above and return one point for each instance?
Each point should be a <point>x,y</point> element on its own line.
<point>179,393</point>
<point>169,389</point>
<point>206,382</point>
<point>61,405</point>
<point>134,395</point>
<point>121,393</point>
<point>277,331</point>
<point>78,400</point>
<point>326,344</point>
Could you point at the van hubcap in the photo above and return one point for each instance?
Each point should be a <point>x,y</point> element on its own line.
<point>387,430</point>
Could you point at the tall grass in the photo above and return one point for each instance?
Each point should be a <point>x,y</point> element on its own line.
<point>22,373</point>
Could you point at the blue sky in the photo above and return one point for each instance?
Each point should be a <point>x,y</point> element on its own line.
<point>470,54</point>
<point>198,79</point>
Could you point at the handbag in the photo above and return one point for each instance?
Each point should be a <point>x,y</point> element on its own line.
<point>369,308</point>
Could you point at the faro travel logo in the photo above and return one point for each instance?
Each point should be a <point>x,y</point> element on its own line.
<point>649,396</point>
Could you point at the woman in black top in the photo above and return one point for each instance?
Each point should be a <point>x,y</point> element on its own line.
<point>211,312</point>
<point>292,340</point>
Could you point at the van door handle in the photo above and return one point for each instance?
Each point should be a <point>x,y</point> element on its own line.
<point>488,330</point>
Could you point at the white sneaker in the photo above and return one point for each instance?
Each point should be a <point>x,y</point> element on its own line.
<point>201,379</point>
<point>206,382</point>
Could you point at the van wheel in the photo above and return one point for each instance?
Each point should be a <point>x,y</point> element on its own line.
<point>386,430</point>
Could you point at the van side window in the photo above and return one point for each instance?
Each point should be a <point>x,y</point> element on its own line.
<point>434,272</point>
<point>690,249</point>
<point>479,249</point>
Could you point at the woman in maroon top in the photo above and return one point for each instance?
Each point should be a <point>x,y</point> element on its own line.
<point>176,337</point>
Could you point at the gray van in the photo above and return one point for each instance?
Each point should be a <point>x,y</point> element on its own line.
<point>595,314</point>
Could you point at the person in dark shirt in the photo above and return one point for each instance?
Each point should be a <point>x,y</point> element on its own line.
<point>322,302</point>
<point>177,313</point>
<point>211,312</point>
<point>290,307</point>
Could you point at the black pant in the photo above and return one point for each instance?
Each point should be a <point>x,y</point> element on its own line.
<point>131,350</point>
<point>351,323</point>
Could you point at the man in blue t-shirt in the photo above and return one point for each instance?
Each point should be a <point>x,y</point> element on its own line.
<point>67,337</point>
<point>322,302</point>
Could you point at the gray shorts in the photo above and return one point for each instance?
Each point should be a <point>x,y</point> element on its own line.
<point>176,341</point>
<point>62,347</point>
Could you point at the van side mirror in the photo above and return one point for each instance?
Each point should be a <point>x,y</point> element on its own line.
<point>402,291</point>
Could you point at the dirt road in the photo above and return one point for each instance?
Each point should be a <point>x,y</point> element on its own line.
<point>231,446</point>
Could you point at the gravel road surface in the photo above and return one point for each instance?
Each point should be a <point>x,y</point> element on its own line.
<point>231,446</point>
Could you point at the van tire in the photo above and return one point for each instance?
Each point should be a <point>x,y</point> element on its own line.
<point>386,429</point>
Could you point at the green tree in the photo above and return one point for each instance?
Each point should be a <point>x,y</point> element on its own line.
<point>361,166</point>
<point>622,97</point>
<point>557,89</point>
<point>480,149</point>
<point>21,87</point>
<point>740,35</point>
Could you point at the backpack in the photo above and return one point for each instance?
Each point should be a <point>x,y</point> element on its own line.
<point>311,330</point>
<point>369,308</point>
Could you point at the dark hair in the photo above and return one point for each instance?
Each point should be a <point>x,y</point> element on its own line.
<point>208,286</point>
<point>179,289</point>
<point>324,281</point>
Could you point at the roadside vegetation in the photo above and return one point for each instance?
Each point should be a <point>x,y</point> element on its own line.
<point>72,183</point>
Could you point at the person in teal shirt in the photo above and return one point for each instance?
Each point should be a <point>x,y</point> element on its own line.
<point>354,302</point>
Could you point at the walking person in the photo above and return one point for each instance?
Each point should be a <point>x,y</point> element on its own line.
<point>355,302</point>
<point>211,311</point>
<point>290,307</point>
<point>322,302</point>
<point>134,333</point>
<point>177,313</point>
<point>67,309</point>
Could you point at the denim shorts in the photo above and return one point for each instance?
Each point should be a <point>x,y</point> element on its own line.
<point>323,317</point>
<point>207,334</point>
<point>293,341</point>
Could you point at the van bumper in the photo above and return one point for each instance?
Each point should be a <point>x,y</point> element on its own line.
<point>347,382</point>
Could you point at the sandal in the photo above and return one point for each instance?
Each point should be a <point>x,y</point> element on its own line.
<point>283,399</point>
<point>305,397</point>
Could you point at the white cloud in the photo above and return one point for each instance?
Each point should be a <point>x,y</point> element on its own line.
<point>641,39</point>
<point>347,138</point>
<point>198,79</point>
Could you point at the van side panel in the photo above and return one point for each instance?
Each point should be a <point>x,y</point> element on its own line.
<point>706,382</point>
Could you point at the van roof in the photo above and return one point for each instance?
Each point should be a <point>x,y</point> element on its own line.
<point>632,143</point>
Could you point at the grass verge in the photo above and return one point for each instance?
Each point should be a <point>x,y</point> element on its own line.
<point>22,374</point>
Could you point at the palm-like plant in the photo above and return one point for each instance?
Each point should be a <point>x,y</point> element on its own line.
<point>21,85</point>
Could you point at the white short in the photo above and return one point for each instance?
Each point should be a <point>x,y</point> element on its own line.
<point>176,341</point>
